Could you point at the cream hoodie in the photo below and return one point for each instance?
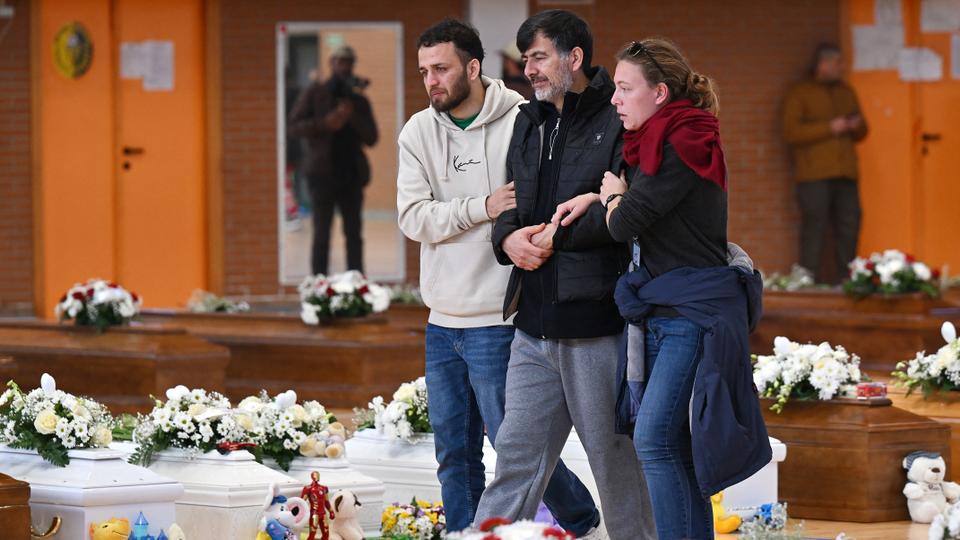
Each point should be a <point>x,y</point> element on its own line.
<point>444,178</point>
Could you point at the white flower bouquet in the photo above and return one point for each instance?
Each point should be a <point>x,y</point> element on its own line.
<point>202,301</point>
<point>284,429</point>
<point>890,272</point>
<point>402,418</point>
<point>51,421</point>
<point>946,525</point>
<point>98,303</point>
<point>804,371</point>
<point>935,372</point>
<point>341,295</point>
<point>798,278</point>
<point>194,420</point>
<point>504,529</point>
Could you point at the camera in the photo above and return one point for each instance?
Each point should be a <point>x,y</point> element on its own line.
<point>358,83</point>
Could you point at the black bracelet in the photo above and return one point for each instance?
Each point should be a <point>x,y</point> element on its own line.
<point>610,200</point>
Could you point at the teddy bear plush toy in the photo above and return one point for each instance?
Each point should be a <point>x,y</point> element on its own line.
<point>112,529</point>
<point>345,526</point>
<point>926,491</point>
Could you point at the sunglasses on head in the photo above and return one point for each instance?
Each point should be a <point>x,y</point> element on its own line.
<point>636,48</point>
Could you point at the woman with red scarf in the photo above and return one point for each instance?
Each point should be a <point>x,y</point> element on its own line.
<point>680,295</point>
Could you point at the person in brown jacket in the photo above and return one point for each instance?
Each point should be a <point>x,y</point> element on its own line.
<point>337,121</point>
<point>822,122</point>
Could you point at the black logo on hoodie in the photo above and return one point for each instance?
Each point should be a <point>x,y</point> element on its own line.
<point>461,166</point>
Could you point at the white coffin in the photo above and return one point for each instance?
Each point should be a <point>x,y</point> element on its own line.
<point>411,469</point>
<point>761,488</point>
<point>340,474</point>
<point>222,493</point>
<point>97,485</point>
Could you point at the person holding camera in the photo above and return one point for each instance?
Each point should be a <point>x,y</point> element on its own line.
<point>336,120</point>
<point>822,122</point>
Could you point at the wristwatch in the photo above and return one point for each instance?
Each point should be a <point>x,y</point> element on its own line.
<point>610,199</point>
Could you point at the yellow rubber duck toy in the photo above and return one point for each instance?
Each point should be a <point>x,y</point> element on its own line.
<point>112,529</point>
<point>723,523</point>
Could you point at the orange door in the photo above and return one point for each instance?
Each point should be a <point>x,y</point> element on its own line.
<point>160,203</point>
<point>938,153</point>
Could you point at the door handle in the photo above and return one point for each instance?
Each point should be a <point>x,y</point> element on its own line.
<point>930,137</point>
<point>132,150</point>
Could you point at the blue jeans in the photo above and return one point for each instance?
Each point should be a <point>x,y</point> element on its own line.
<point>466,385</point>
<point>662,434</point>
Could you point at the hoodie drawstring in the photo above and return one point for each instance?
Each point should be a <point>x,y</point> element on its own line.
<point>445,144</point>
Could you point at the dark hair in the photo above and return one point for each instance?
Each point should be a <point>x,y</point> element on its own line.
<point>464,37</point>
<point>662,62</point>
<point>824,49</point>
<point>563,28</point>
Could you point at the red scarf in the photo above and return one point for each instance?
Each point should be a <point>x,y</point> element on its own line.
<point>694,134</point>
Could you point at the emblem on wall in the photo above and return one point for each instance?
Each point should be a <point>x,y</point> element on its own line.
<point>72,50</point>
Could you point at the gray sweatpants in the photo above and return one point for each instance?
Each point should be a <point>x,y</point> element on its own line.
<point>551,385</point>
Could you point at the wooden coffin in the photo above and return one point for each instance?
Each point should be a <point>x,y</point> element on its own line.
<point>120,367</point>
<point>882,331</point>
<point>14,509</point>
<point>944,407</point>
<point>845,457</point>
<point>7,370</point>
<point>341,364</point>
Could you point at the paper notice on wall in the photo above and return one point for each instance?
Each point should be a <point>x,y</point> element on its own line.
<point>939,15</point>
<point>955,56</point>
<point>886,13</point>
<point>159,75</point>
<point>151,61</point>
<point>132,61</point>
<point>920,64</point>
<point>876,47</point>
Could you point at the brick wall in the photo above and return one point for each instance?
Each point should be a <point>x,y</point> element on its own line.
<point>754,50</point>
<point>16,199</point>
<point>249,119</point>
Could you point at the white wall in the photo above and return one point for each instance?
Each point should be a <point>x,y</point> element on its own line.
<point>497,21</point>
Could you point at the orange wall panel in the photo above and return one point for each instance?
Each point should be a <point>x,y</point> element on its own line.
<point>75,155</point>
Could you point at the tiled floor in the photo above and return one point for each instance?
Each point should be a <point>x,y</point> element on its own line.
<point>383,247</point>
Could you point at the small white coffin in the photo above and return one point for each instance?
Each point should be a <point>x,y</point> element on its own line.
<point>409,469</point>
<point>761,488</point>
<point>222,493</point>
<point>97,485</point>
<point>339,474</point>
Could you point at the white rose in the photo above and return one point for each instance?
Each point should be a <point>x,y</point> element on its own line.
<point>79,411</point>
<point>244,421</point>
<point>196,409</point>
<point>299,414</point>
<point>308,313</point>
<point>102,437</point>
<point>922,271</point>
<point>46,422</point>
<point>251,404</point>
<point>406,392</point>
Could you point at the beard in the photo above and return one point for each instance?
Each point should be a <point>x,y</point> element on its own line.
<point>457,95</point>
<point>555,88</point>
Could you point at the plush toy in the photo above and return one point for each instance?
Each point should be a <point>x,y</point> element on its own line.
<point>112,529</point>
<point>722,522</point>
<point>345,526</point>
<point>927,493</point>
<point>283,517</point>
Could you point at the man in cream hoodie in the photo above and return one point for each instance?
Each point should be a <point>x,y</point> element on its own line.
<point>450,186</point>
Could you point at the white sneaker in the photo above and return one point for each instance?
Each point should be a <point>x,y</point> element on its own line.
<point>597,533</point>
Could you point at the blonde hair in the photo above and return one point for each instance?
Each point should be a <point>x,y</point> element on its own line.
<point>662,62</point>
